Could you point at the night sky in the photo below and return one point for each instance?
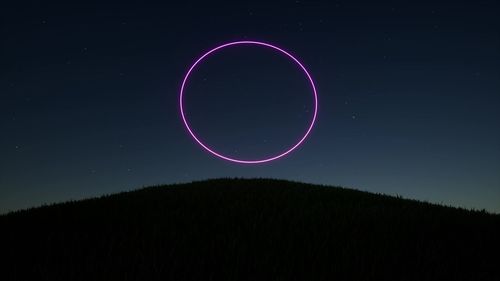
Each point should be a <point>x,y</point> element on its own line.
<point>409,97</point>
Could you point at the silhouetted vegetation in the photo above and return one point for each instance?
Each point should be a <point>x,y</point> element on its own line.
<point>259,229</point>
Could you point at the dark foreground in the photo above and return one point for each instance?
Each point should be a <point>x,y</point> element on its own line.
<point>249,230</point>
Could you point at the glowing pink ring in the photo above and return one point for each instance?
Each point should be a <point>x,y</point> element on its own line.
<point>239,160</point>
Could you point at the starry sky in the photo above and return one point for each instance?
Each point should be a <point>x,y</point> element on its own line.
<point>409,97</point>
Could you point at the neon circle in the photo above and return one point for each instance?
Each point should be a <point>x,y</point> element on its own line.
<point>212,151</point>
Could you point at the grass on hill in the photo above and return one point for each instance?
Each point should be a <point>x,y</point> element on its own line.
<point>249,229</point>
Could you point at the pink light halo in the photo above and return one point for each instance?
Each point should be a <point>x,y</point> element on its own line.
<point>239,160</point>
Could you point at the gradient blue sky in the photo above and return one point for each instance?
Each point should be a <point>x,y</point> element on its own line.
<point>409,97</point>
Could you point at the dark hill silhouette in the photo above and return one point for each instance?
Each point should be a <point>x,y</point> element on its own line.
<point>249,229</point>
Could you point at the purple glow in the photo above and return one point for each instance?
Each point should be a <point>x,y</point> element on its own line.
<point>240,160</point>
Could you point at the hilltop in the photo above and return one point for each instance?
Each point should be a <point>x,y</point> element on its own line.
<point>249,229</point>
